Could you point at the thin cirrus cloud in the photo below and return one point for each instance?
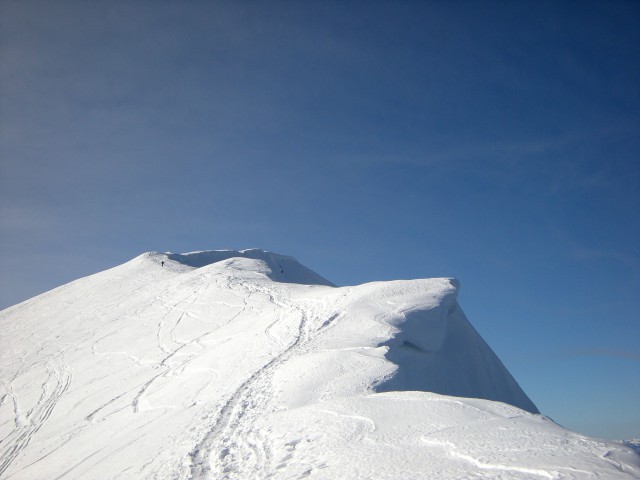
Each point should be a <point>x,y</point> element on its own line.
<point>602,352</point>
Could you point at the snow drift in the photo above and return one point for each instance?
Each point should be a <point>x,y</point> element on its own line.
<point>246,364</point>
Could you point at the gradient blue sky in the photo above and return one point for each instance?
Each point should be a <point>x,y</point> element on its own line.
<point>497,142</point>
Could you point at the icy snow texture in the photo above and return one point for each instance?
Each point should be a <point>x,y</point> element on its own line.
<point>248,365</point>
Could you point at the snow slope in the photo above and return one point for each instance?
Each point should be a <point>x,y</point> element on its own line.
<point>247,365</point>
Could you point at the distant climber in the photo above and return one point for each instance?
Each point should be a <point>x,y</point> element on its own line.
<point>162,263</point>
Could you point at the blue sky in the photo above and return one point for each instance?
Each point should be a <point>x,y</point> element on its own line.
<point>497,142</point>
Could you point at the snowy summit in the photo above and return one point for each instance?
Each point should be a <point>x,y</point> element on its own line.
<point>248,365</point>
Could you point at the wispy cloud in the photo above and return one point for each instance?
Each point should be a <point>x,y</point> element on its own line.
<point>582,253</point>
<point>14,218</point>
<point>602,352</point>
<point>582,250</point>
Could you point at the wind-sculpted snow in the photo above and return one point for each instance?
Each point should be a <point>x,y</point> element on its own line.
<point>279,268</point>
<point>248,365</point>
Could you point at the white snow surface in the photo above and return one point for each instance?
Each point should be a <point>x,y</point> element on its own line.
<point>248,365</point>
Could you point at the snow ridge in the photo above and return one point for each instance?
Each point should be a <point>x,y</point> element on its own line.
<point>280,268</point>
<point>248,365</point>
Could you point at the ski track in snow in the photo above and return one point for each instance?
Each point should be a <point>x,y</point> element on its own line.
<point>169,350</point>
<point>27,425</point>
<point>453,451</point>
<point>232,446</point>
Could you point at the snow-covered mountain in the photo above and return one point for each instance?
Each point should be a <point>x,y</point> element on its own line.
<point>248,365</point>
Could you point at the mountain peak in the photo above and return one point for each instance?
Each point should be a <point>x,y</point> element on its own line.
<point>244,364</point>
<point>279,268</point>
